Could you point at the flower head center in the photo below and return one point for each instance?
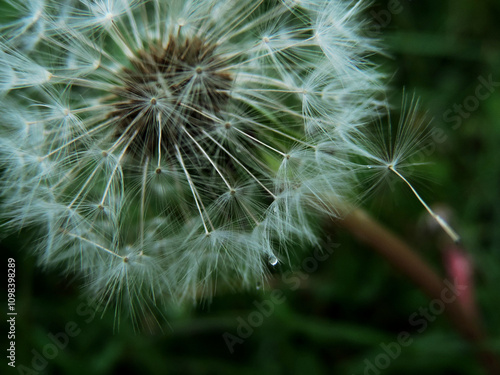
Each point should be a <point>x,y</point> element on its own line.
<point>168,91</point>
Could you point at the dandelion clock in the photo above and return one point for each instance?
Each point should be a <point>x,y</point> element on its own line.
<point>164,148</point>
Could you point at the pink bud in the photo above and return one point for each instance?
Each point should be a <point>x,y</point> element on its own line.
<point>460,269</point>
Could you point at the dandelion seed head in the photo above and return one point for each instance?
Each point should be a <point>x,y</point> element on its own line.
<point>166,147</point>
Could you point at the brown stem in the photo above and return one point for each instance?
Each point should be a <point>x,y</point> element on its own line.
<point>402,257</point>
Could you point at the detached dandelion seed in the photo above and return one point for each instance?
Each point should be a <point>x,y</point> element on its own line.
<point>164,146</point>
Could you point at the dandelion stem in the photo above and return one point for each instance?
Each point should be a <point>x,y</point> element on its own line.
<point>405,259</point>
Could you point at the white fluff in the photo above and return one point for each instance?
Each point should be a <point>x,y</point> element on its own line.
<point>242,161</point>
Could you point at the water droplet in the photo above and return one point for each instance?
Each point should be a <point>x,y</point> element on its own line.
<point>258,286</point>
<point>273,260</point>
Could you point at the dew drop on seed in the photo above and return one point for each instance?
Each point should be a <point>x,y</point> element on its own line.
<point>258,286</point>
<point>273,260</point>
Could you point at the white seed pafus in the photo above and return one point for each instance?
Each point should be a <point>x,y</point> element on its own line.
<point>164,147</point>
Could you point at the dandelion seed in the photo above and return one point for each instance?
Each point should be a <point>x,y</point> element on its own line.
<point>392,155</point>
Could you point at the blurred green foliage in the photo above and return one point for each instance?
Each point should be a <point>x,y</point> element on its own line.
<point>337,319</point>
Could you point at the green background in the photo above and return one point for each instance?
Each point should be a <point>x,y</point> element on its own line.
<point>337,319</point>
